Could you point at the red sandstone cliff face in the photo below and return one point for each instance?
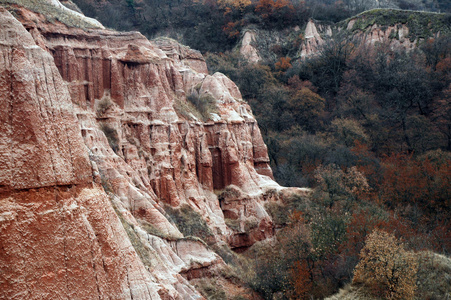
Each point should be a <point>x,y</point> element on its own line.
<point>90,112</point>
<point>160,157</point>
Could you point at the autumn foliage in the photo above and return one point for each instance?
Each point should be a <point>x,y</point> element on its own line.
<point>386,268</point>
<point>417,181</point>
<point>283,64</point>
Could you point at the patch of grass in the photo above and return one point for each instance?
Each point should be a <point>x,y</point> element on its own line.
<point>434,276</point>
<point>229,192</point>
<point>250,224</point>
<point>150,229</point>
<point>111,135</point>
<point>233,224</point>
<point>190,223</point>
<point>193,239</point>
<point>187,110</point>
<point>211,290</point>
<point>229,257</point>
<point>105,183</point>
<point>139,247</point>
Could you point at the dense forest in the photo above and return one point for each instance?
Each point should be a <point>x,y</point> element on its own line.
<point>367,127</point>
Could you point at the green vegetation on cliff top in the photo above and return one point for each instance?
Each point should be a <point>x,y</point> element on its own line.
<point>420,24</point>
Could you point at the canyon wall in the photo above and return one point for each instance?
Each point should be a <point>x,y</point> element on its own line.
<point>106,139</point>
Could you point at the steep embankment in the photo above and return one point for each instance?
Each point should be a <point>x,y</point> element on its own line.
<point>103,159</point>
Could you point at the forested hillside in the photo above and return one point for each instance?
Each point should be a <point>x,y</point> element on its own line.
<point>366,125</point>
<point>215,25</point>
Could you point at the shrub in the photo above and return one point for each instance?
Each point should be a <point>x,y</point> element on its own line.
<point>347,131</point>
<point>385,267</point>
<point>307,108</point>
<point>103,106</point>
<point>336,185</point>
<point>278,212</point>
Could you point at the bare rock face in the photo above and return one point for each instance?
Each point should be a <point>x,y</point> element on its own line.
<point>312,40</point>
<point>40,144</point>
<point>247,50</point>
<point>131,104</point>
<point>395,36</point>
<point>102,135</point>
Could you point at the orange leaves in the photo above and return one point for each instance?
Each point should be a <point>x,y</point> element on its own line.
<point>230,29</point>
<point>283,64</point>
<point>268,8</point>
<point>264,7</point>
<point>235,4</point>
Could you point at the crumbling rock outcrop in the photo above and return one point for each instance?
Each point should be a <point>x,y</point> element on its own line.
<point>264,45</point>
<point>100,136</point>
<point>247,49</point>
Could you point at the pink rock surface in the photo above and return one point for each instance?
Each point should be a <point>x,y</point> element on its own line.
<point>161,157</point>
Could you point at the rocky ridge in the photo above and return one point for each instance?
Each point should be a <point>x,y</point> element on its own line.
<point>102,147</point>
<point>398,29</point>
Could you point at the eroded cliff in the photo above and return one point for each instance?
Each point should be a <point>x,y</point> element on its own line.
<point>107,141</point>
<point>396,29</point>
